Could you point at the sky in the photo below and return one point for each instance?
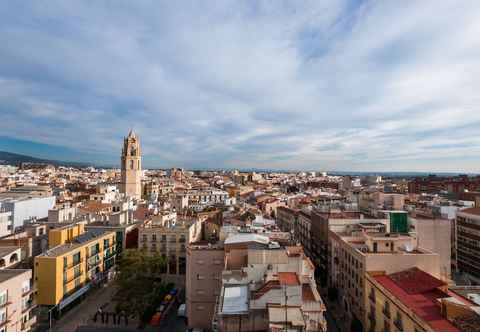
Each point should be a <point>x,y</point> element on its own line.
<point>318,85</point>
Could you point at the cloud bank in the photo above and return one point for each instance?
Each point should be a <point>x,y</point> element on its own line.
<point>336,85</point>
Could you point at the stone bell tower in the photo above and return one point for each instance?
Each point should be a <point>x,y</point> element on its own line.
<point>131,163</point>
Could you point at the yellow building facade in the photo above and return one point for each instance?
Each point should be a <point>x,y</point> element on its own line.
<point>74,260</point>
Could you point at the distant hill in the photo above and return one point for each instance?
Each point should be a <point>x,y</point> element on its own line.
<point>9,158</point>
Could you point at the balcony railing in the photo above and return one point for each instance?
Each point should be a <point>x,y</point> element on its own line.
<point>386,312</point>
<point>73,264</point>
<point>4,304</point>
<point>398,324</point>
<point>371,316</point>
<point>75,276</point>
<point>28,291</point>
<point>31,305</point>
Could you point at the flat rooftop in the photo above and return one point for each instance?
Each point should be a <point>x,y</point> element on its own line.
<point>235,300</point>
<point>7,274</point>
<point>79,241</point>
<point>4,251</point>
<point>418,291</point>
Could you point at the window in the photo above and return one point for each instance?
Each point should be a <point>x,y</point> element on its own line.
<point>131,164</point>
<point>3,297</point>
<point>25,286</point>
<point>3,315</point>
<point>77,282</point>
<point>200,307</point>
<point>398,321</point>
<point>25,303</point>
<point>200,277</point>
<point>76,258</point>
<point>77,271</point>
<point>65,264</point>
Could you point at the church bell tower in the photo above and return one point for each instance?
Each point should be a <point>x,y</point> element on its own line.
<point>131,161</point>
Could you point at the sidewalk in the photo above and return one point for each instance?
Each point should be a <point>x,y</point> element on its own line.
<point>82,314</point>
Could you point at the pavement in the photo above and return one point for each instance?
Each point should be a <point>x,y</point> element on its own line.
<point>82,314</point>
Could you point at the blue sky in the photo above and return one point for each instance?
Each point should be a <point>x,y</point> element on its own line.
<point>326,85</point>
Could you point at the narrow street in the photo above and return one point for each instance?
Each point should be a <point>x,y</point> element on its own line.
<point>82,313</point>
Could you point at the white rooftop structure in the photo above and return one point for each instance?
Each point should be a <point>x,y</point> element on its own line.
<point>235,300</point>
<point>247,237</point>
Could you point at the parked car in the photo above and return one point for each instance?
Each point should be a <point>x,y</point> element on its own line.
<point>182,310</point>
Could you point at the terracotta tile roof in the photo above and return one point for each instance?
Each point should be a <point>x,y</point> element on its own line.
<point>92,206</point>
<point>288,278</point>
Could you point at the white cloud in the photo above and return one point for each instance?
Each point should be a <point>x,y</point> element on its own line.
<point>317,84</point>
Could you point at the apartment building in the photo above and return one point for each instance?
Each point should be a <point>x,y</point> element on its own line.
<point>322,219</point>
<point>303,233</point>
<point>468,242</point>
<point>435,234</point>
<point>76,259</point>
<point>9,256</point>
<point>5,223</point>
<point>168,240</point>
<point>356,249</point>
<point>266,287</point>
<point>412,300</point>
<point>372,201</point>
<point>63,213</point>
<point>205,263</point>
<point>287,219</point>
<point>17,301</point>
<point>24,208</point>
<point>199,199</point>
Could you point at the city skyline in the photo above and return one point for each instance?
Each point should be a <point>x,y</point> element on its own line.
<point>245,85</point>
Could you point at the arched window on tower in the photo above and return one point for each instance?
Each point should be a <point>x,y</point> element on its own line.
<point>131,164</point>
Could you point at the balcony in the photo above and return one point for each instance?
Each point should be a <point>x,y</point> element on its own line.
<point>28,291</point>
<point>5,322</point>
<point>93,262</point>
<point>75,263</point>
<point>75,276</point>
<point>110,254</point>
<point>29,323</point>
<point>30,305</point>
<point>371,316</point>
<point>386,312</point>
<point>5,304</point>
<point>398,324</point>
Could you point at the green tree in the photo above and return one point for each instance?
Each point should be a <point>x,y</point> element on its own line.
<point>140,286</point>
